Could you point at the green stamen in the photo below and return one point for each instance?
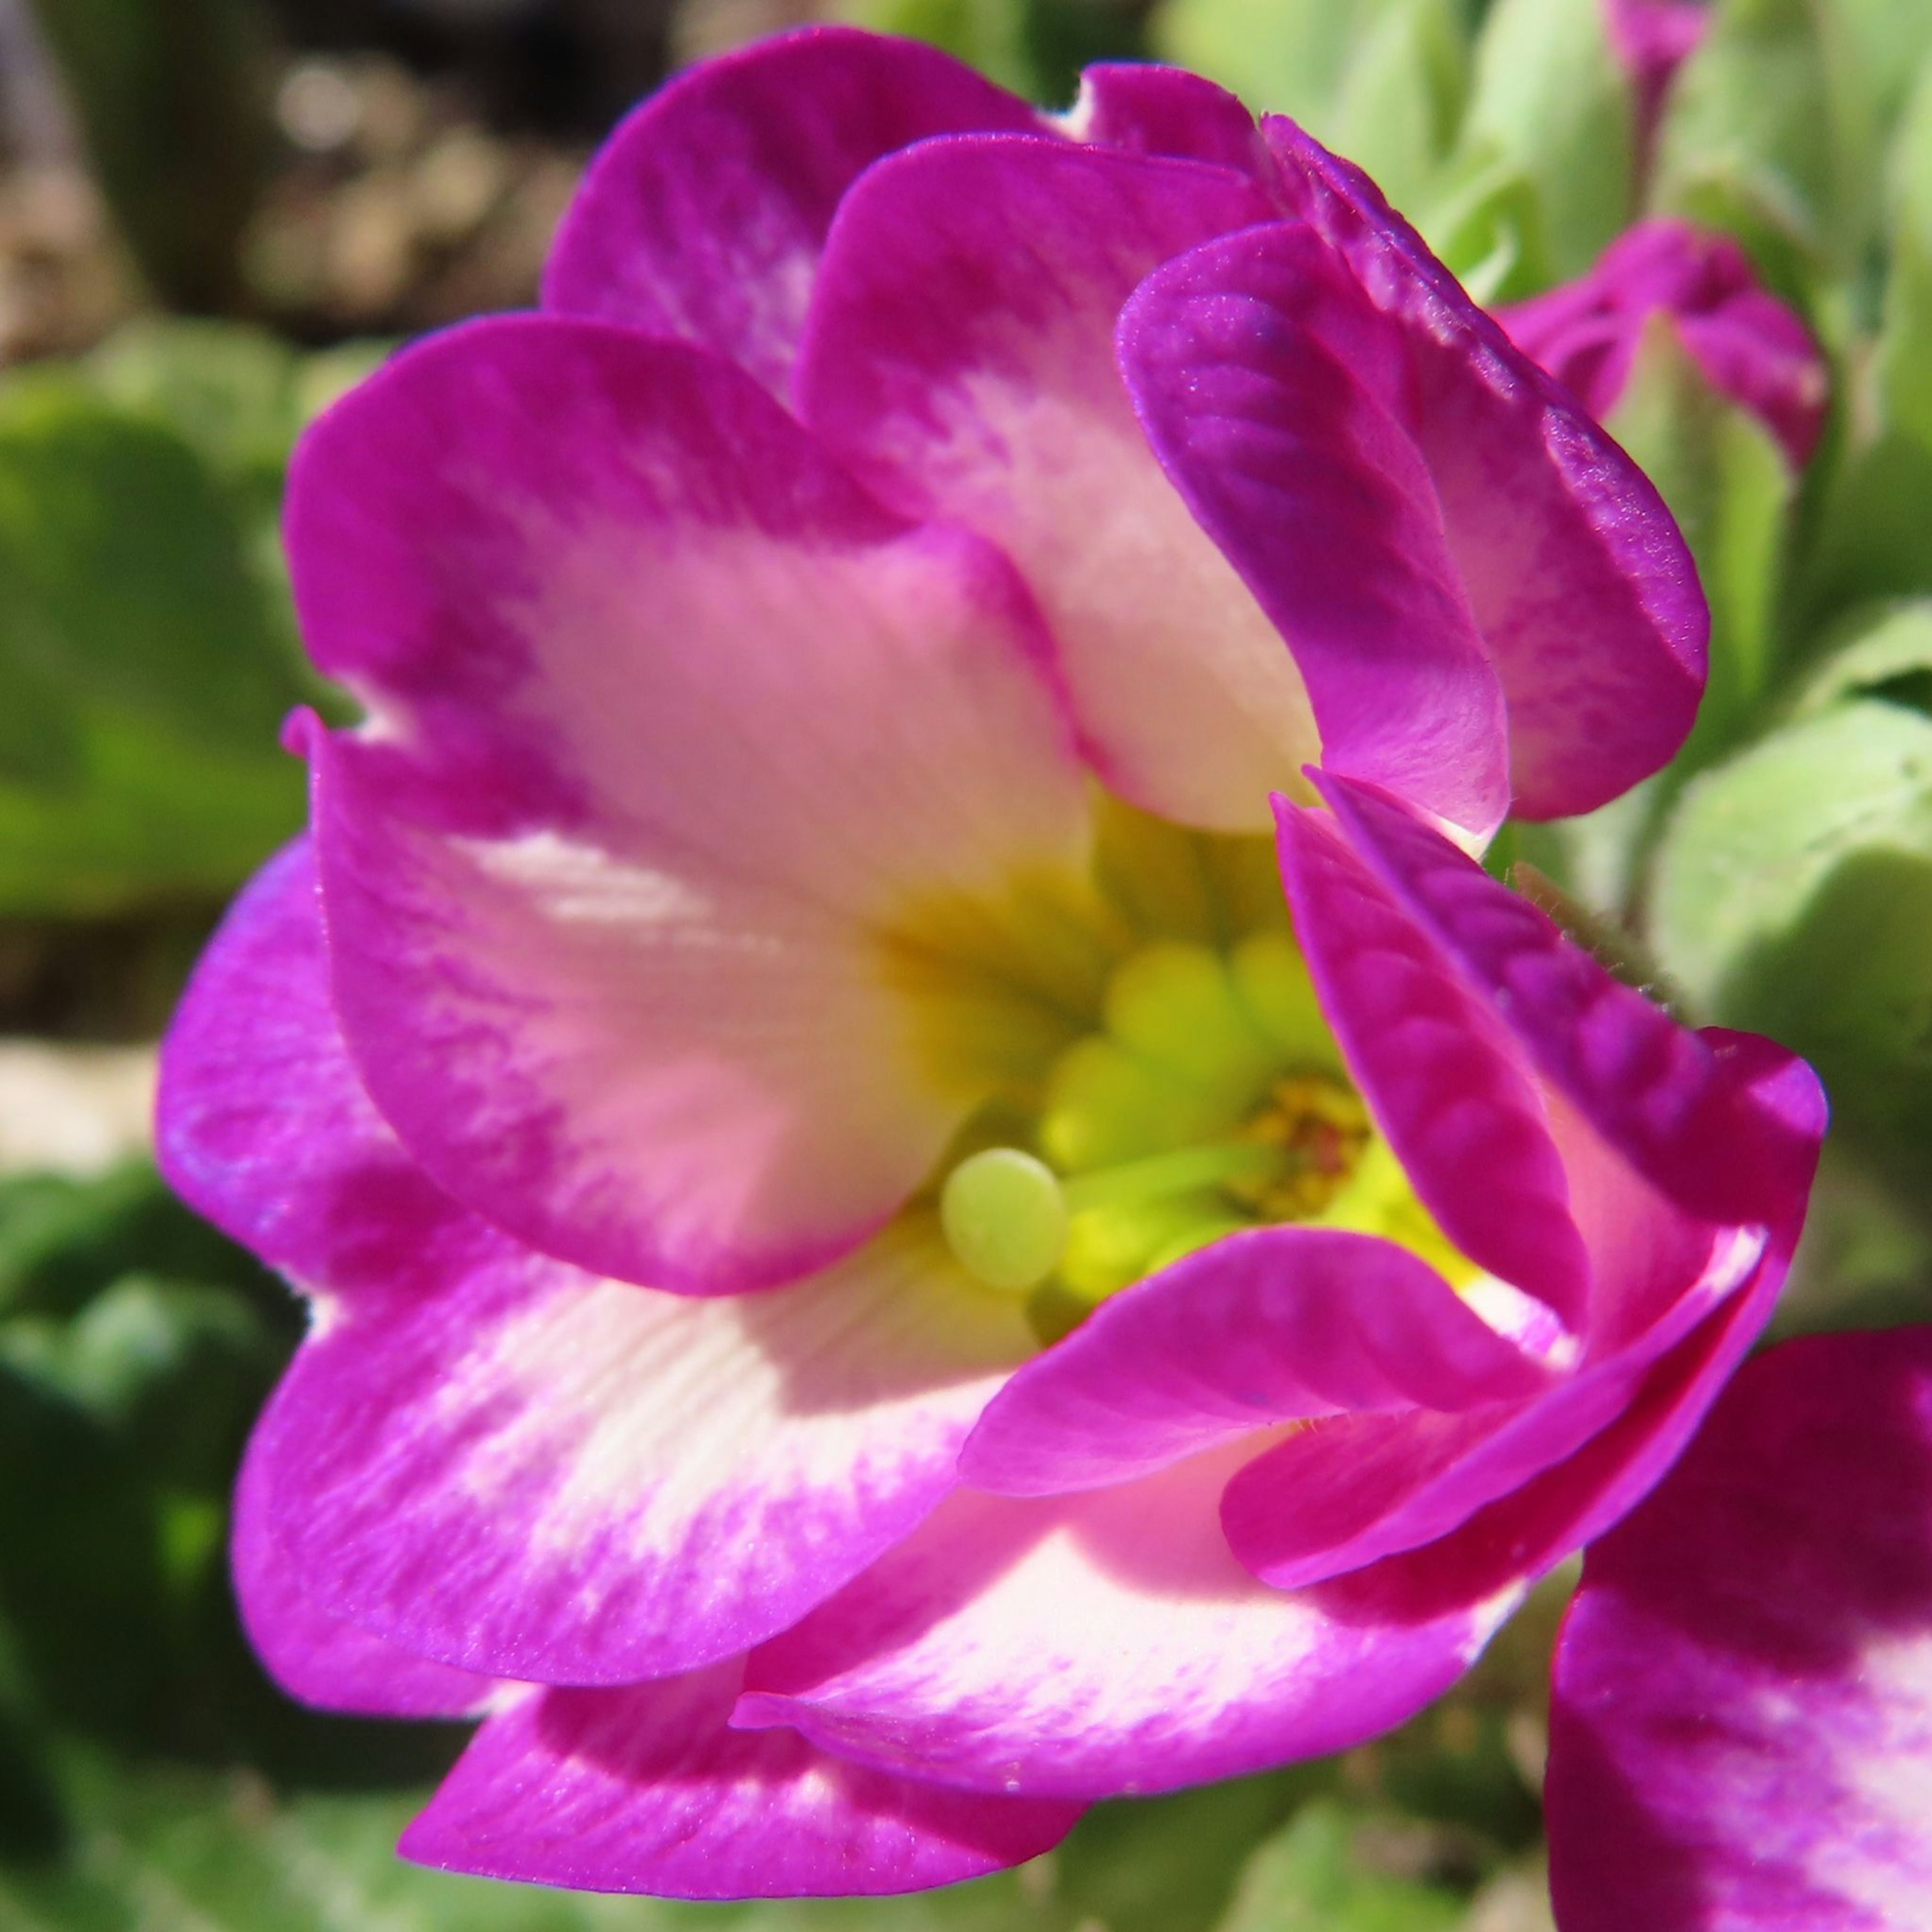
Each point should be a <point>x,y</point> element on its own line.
<point>1004,1215</point>
<point>1180,1172</point>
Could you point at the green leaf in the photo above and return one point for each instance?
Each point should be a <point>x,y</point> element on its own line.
<point>988,34</point>
<point>228,390</point>
<point>1552,108</point>
<point>1730,485</point>
<point>133,631</point>
<point>1794,897</point>
<point>1316,1876</point>
<point>1765,133</point>
<point>1883,651</point>
<point>1384,82</point>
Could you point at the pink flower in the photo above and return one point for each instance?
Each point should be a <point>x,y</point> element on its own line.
<point>1742,1731</point>
<point>1750,345</point>
<point>1653,39</point>
<point>871,1287</point>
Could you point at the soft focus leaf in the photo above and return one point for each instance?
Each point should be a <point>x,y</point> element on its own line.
<point>1766,133</point>
<point>133,633</point>
<point>1794,897</point>
<point>1384,82</point>
<point>1885,652</point>
<point>988,34</point>
<point>228,390</point>
<point>1729,486</point>
<point>1551,106</point>
<point>1313,1877</point>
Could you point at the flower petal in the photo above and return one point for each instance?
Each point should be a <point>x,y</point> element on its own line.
<point>960,354</point>
<point>672,722</point>
<point>319,1658</point>
<point>1725,1125</point>
<point>703,216</point>
<point>1447,1084</point>
<point>1277,396</point>
<point>533,1474</point>
<point>1144,109</point>
<point>1353,1490</point>
<point>1103,1644</point>
<point>1580,582</point>
<point>1741,1734</point>
<point>1275,1326</point>
<point>644,1790</point>
<point>263,1125</point>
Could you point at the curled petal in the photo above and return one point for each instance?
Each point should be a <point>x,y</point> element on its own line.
<point>960,355</point>
<point>1580,584</point>
<point>1741,1733</point>
<point>1448,1085</point>
<point>1279,1325</point>
<point>1725,1124</point>
<point>672,722</point>
<point>1276,395</point>
<point>644,1789</point>
<point>1106,1643</point>
<point>704,215</point>
<point>1355,1489</point>
<point>1147,110</point>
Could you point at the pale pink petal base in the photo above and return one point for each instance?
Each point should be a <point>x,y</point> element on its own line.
<point>645,1790</point>
<point>671,721</point>
<point>536,1473</point>
<point>1107,1643</point>
<point>1742,1737</point>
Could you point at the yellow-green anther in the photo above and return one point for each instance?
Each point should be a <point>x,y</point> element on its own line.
<point>1004,1214</point>
<point>1176,1004</point>
<point>1276,987</point>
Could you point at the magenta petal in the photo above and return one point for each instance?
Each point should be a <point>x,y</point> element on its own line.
<point>1741,1734</point>
<point>1107,1643</point>
<point>1447,1084</point>
<point>1146,109</point>
<point>960,357</point>
<point>318,1657</point>
<point>1750,345</point>
<point>643,1789</point>
<point>1580,584</point>
<point>1352,1489</point>
<point>263,1123</point>
<point>1271,1326</point>
<point>703,216</point>
<point>671,721</point>
<point>1277,396</point>
<point>533,1474</point>
<point>1725,1124</point>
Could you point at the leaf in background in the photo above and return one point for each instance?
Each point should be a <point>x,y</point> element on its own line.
<point>1883,651</point>
<point>988,34</point>
<point>1794,897</point>
<point>1766,133</point>
<point>127,611</point>
<point>1551,108</point>
<point>227,389</point>
<point>1383,81</point>
<point>1312,1877</point>
<point>1729,486</point>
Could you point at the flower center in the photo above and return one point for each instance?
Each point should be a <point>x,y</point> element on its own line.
<point>1162,1071</point>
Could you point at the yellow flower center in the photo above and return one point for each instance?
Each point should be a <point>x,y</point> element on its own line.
<point>1162,1072</point>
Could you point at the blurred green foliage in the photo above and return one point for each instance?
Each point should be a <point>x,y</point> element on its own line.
<point>147,653</point>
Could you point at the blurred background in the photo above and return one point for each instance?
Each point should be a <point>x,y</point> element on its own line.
<point>215,215</point>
